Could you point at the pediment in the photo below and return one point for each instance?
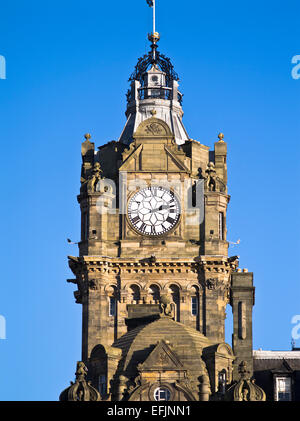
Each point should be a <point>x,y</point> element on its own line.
<point>161,358</point>
<point>153,128</point>
<point>178,164</point>
<point>151,157</point>
<point>224,349</point>
<point>132,158</point>
<point>282,367</point>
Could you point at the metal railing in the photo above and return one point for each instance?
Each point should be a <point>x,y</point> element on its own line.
<point>161,93</point>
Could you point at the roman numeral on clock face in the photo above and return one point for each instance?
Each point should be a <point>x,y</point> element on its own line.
<point>142,227</point>
<point>135,219</point>
<point>153,231</point>
<point>170,220</point>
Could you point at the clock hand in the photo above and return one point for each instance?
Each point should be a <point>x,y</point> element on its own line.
<point>162,207</point>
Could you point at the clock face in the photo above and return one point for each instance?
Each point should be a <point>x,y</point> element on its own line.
<point>153,211</point>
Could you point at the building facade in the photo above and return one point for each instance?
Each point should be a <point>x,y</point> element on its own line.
<point>278,373</point>
<point>153,273</point>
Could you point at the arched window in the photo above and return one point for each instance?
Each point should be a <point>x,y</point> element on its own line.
<point>135,295</point>
<point>222,380</point>
<point>154,293</point>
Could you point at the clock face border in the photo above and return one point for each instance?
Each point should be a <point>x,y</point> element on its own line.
<point>164,233</point>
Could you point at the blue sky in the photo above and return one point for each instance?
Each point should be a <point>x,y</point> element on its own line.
<point>68,63</point>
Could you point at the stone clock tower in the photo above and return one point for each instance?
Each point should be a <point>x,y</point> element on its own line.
<point>153,272</point>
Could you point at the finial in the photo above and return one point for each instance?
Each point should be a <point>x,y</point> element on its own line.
<point>153,112</point>
<point>154,37</point>
<point>221,137</point>
<point>87,136</point>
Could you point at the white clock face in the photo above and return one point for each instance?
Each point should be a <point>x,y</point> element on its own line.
<point>153,211</point>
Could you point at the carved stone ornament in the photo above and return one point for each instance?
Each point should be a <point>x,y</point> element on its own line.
<point>166,307</point>
<point>245,389</point>
<point>212,181</point>
<point>214,283</point>
<point>163,358</point>
<point>81,390</point>
<point>154,129</point>
<point>93,284</point>
<point>90,184</point>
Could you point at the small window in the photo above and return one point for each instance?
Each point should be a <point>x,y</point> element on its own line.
<point>222,382</point>
<point>102,385</point>
<point>112,306</point>
<point>194,305</point>
<point>283,389</point>
<point>162,394</point>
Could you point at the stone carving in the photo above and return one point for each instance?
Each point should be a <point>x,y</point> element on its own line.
<point>96,175</point>
<point>81,390</point>
<point>212,181</point>
<point>221,137</point>
<point>214,283</point>
<point>154,129</point>
<point>81,371</point>
<point>163,358</point>
<point>211,283</point>
<point>78,297</point>
<point>167,308</point>
<point>93,284</point>
<point>90,184</point>
<point>245,389</point>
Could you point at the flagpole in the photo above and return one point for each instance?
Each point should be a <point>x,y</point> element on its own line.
<point>153,16</point>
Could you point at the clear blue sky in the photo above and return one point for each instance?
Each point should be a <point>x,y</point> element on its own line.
<point>67,68</point>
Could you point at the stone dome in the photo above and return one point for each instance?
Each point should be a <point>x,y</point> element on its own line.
<point>187,343</point>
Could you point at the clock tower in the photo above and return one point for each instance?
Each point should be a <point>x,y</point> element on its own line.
<point>153,273</point>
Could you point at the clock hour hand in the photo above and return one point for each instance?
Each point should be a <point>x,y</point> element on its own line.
<point>162,207</point>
